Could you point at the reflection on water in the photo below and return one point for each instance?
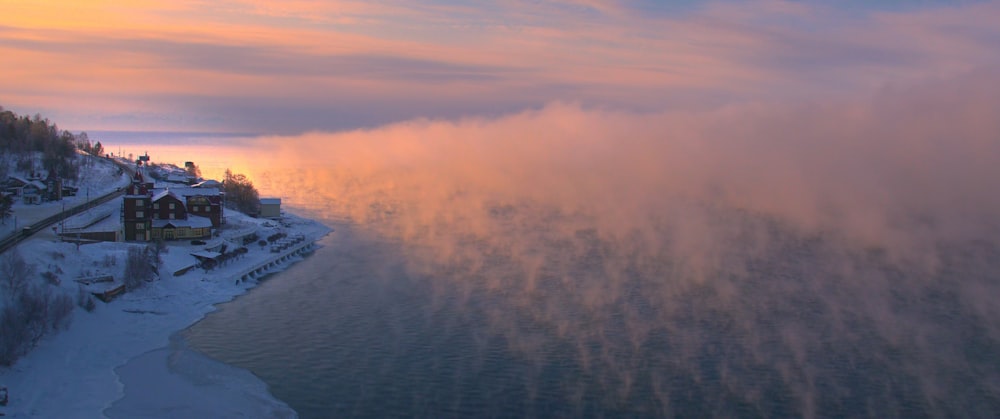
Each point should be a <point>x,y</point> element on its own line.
<point>565,262</point>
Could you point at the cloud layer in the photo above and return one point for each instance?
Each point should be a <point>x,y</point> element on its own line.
<point>249,66</point>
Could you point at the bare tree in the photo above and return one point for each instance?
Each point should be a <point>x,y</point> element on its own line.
<point>140,266</point>
<point>15,273</point>
<point>6,207</point>
<point>240,193</point>
<point>24,320</point>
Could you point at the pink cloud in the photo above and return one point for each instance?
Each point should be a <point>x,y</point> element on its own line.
<point>512,54</point>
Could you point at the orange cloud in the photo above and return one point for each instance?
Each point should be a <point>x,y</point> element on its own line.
<point>464,59</point>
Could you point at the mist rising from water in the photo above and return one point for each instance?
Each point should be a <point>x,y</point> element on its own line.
<point>841,254</point>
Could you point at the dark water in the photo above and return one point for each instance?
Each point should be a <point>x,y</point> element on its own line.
<point>795,325</point>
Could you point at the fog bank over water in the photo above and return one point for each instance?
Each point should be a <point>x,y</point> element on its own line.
<point>823,257</point>
<point>900,170</point>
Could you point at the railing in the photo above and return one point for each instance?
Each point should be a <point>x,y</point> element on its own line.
<point>267,262</point>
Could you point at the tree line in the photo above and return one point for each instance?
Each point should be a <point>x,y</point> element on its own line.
<point>22,135</point>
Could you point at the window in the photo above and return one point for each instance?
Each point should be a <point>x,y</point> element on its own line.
<point>171,205</point>
<point>171,216</point>
<point>138,214</point>
<point>156,206</point>
<point>140,226</point>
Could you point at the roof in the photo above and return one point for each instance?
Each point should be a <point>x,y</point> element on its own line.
<point>205,254</point>
<point>214,244</point>
<point>210,183</point>
<point>193,221</point>
<point>164,193</point>
<point>270,201</point>
<point>37,184</point>
<point>177,262</point>
<point>191,191</point>
<point>177,177</point>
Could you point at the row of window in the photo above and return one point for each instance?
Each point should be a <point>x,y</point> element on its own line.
<point>140,214</point>
<point>194,208</point>
<point>156,206</point>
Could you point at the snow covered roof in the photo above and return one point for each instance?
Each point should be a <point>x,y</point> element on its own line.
<point>214,244</point>
<point>19,179</point>
<point>210,183</point>
<point>205,254</point>
<point>193,221</point>
<point>178,262</point>
<point>191,191</point>
<point>177,177</point>
<point>164,193</point>
<point>36,184</point>
<point>270,201</point>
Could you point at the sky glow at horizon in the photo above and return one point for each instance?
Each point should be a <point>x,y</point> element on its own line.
<point>299,66</point>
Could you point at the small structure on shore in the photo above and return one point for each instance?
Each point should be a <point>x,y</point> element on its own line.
<point>270,207</point>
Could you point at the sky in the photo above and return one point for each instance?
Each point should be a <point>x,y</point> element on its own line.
<point>685,136</point>
<point>298,66</point>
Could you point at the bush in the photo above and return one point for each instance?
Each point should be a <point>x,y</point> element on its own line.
<point>140,266</point>
<point>31,314</point>
<point>15,273</point>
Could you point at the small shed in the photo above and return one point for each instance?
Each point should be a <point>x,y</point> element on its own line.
<point>270,207</point>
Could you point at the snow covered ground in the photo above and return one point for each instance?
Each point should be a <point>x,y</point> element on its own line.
<point>124,348</point>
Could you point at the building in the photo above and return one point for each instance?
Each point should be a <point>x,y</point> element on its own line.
<point>270,207</point>
<point>15,185</point>
<point>33,192</point>
<point>137,221</point>
<point>171,213</point>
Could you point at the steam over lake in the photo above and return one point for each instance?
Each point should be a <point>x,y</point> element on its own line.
<point>572,262</point>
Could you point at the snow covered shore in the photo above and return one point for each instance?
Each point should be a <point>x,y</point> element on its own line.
<point>121,360</point>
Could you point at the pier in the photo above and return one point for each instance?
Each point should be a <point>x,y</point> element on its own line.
<point>302,246</point>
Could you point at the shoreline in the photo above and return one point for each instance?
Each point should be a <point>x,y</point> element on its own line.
<point>78,370</point>
<point>198,385</point>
